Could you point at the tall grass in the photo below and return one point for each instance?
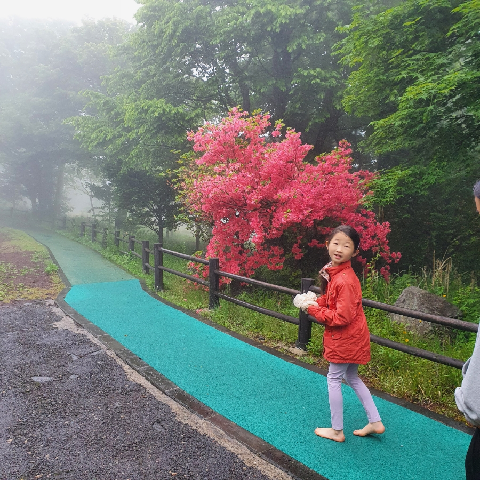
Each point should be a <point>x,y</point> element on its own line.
<point>417,380</point>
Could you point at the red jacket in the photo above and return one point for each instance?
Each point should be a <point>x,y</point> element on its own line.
<point>346,338</point>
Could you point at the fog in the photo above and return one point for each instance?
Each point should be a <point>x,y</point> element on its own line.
<point>71,11</point>
<point>79,203</point>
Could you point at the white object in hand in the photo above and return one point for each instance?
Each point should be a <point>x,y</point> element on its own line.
<point>305,300</point>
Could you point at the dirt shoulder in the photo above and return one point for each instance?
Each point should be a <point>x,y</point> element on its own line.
<point>27,271</point>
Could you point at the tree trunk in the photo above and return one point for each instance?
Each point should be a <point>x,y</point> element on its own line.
<point>282,72</point>
<point>326,139</point>
<point>160,229</point>
<point>57,201</point>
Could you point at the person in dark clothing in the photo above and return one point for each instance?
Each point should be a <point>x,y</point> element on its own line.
<point>467,396</point>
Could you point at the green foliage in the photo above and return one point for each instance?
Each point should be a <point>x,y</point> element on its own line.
<point>288,276</point>
<point>386,187</point>
<point>51,268</point>
<point>467,299</point>
<point>414,77</point>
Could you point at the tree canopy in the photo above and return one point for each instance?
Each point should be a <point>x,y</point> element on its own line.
<point>270,55</point>
<point>415,71</point>
<point>418,74</point>
<point>397,80</point>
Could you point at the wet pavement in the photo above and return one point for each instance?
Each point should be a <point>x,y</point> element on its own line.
<point>71,409</point>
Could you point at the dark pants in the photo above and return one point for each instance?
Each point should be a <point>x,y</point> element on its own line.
<point>472,462</point>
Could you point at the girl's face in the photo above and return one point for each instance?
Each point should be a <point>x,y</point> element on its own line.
<point>341,249</point>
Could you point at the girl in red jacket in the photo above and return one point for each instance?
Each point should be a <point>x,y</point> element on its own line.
<point>346,339</point>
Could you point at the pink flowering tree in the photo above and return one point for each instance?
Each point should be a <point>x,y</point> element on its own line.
<point>264,203</point>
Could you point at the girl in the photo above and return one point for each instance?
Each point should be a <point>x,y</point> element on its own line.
<point>346,339</point>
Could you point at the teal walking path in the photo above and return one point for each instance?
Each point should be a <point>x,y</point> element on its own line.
<point>278,401</point>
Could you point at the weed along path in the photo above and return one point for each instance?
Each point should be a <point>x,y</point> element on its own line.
<point>274,399</point>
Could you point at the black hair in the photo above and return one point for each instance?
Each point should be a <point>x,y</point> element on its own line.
<point>349,232</point>
<point>476,189</point>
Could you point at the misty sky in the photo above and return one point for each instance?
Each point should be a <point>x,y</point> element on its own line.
<point>70,9</point>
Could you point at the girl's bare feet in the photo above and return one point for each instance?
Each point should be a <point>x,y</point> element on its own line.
<point>375,427</point>
<point>331,434</point>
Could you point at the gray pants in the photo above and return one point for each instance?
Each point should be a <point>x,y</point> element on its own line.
<point>348,371</point>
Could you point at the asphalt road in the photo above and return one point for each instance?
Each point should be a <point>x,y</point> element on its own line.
<point>71,409</point>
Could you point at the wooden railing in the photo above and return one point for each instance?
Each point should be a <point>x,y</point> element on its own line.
<point>304,321</point>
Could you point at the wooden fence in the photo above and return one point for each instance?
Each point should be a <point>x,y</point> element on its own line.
<point>303,321</point>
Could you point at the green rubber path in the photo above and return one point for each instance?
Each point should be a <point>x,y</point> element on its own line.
<point>278,401</point>
<point>80,264</point>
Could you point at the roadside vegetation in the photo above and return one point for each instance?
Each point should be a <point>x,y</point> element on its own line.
<point>417,380</point>
<point>26,268</point>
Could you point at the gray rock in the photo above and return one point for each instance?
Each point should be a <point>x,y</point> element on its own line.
<point>414,298</point>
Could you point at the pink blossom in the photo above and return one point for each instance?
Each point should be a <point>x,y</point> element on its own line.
<point>253,187</point>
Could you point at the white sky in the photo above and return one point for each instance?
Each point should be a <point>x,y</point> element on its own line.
<point>73,10</point>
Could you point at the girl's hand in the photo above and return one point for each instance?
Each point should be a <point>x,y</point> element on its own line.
<point>309,303</point>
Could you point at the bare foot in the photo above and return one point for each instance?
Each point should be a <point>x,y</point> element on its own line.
<point>375,427</point>
<point>331,434</point>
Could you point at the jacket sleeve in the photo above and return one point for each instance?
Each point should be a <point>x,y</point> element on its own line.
<point>344,311</point>
<point>322,301</point>
<point>467,396</point>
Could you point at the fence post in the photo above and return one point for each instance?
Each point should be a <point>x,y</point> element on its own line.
<point>197,238</point>
<point>145,256</point>
<point>94,232</point>
<point>82,229</point>
<point>214,264</point>
<point>158,261</point>
<point>117,238</point>
<point>131,243</point>
<point>305,326</point>
<point>104,237</point>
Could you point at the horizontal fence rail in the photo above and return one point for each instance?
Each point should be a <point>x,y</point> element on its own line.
<point>258,283</point>
<point>256,308</point>
<point>446,321</point>
<point>185,257</point>
<point>304,321</point>
<point>184,275</point>
<point>417,352</point>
